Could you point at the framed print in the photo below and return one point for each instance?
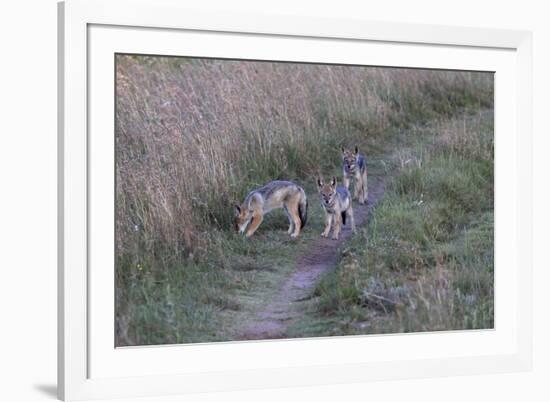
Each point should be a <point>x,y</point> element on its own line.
<point>258,201</point>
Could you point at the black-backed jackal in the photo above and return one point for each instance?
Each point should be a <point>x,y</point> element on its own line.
<point>355,165</point>
<point>275,194</point>
<point>336,201</point>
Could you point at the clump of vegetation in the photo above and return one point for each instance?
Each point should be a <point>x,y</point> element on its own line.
<point>425,262</point>
<point>193,136</point>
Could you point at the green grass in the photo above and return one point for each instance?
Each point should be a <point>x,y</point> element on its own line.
<point>425,261</point>
<point>210,299</point>
<point>194,137</point>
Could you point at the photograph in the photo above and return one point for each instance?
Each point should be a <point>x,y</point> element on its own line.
<point>279,201</point>
<point>260,200</point>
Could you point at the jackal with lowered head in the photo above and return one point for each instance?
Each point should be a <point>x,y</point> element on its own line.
<point>275,194</point>
<point>355,165</point>
<point>336,201</point>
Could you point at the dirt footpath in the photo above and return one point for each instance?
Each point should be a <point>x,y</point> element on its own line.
<point>272,320</point>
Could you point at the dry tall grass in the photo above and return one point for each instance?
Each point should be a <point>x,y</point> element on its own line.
<point>194,135</point>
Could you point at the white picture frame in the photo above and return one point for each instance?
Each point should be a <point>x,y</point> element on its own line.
<point>89,366</point>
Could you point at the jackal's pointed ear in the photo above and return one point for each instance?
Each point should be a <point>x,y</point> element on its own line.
<point>319,182</point>
<point>356,150</point>
<point>237,209</point>
<point>343,150</point>
<point>333,181</point>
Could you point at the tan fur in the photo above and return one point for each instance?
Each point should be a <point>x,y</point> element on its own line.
<point>276,194</point>
<point>355,166</point>
<point>335,201</point>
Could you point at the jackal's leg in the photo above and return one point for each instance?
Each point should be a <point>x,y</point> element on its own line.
<point>296,220</point>
<point>256,220</point>
<point>365,188</point>
<point>349,214</point>
<point>328,223</point>
<point>337,226</point>
<point>290,221</point>
<point>361,190</point>
<point>357,187</point>
<point>346,181</point>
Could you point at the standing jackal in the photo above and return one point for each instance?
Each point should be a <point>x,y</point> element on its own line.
<point>355,165</point>
<point>275,194</point>
<point>336,201</point>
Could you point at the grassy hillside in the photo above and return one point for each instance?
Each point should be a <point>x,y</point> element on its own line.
<point>194,136</point>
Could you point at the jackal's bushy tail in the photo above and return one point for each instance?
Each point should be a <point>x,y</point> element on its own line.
<point>302,210</point>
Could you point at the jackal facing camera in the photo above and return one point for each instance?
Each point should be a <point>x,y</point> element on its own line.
<point>355,165</point>
<point>336,201</point>
<point>275,194</point>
